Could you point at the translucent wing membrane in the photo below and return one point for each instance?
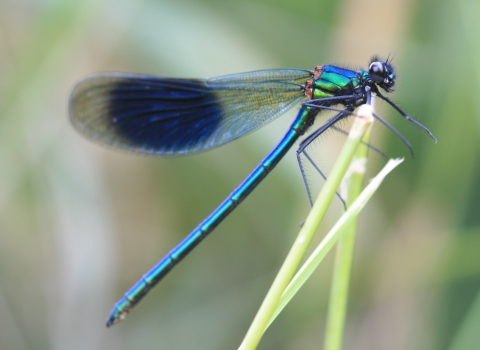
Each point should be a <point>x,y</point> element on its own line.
<point>177,116</point>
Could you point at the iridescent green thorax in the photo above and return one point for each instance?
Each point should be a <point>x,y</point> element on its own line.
<point>364,75</point>
<point>329,81</point>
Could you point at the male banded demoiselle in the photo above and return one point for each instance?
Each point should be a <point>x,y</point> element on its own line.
<point>171,116</point>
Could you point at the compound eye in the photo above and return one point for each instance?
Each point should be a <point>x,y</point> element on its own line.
<point>377,72</point>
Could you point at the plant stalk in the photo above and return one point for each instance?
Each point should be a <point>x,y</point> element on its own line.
<point>294,257</point>
<point>338,302</point>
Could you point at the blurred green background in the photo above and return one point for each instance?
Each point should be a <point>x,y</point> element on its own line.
<point>79,223</point>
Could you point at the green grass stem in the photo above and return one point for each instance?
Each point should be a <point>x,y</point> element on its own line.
<point>332,237</point>
<point>337,306</point>
<point>294,257</point>
<point>467,336</point>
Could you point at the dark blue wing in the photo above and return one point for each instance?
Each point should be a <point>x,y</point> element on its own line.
<point>176,116</point>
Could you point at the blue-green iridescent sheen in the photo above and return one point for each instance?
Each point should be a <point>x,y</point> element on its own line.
<point>179,116</point>
<point>334,81</point>
<point>133,296</point>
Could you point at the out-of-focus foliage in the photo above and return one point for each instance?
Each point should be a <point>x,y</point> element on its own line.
<point>79,223</point>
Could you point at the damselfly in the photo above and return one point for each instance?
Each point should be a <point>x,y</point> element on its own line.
<point>171,116</point>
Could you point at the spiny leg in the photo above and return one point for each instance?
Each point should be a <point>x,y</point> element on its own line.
<point>368,97</point>
<point>322,175</point>
<point>318,102</point>
<point>305,143</point>
<point>405,115</point>
<point>370,146</point>
<point>342,114</point>
<point>396,132</point>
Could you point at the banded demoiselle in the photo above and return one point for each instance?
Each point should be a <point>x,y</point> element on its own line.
<point>170,116</point>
